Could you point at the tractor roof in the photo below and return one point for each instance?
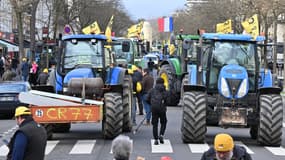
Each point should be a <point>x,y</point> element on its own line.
<point>86,36</point>
<point>188,36</point>
<point>234,37</point>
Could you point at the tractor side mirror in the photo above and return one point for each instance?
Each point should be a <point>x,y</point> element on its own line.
<point>126,46</point>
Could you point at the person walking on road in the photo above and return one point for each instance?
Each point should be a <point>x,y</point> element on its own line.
<point>29,141</point>
<point>122,147</point>
<point>225,149</point>
<point>157,98</point>
<point>147,85</point>
<point>25,69</point>
<point>43,77</point>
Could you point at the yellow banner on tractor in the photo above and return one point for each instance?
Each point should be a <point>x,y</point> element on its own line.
<point>92,29</point>
<point>251,26</point>
<point>225,27</point>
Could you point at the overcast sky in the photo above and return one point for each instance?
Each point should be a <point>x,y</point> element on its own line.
<point>149,9</point>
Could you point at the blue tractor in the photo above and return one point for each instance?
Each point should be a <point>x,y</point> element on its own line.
<point>229,88</point>
<point>87,68</point>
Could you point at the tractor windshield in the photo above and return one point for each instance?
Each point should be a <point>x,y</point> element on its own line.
<point>240,53</point>
<point>120,55</point>
<point>83,53</point>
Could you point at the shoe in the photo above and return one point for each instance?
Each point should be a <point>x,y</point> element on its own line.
<point>161,139</point>
<point>147,123</point>
<point>156,142</point>
<point>140,113</point>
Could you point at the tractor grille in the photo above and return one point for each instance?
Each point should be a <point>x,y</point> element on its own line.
<point>234,85</point>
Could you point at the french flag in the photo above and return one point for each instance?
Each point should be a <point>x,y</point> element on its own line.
<point>165,24</point>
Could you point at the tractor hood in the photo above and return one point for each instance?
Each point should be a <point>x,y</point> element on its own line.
<point>78,73</point>
<point>233,81</point>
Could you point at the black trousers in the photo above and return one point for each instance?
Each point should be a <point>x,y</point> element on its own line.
<point>158,115</point>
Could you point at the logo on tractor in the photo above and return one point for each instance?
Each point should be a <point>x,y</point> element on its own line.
<point>39,113</point>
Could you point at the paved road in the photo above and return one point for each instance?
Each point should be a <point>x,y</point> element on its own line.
<point>86,142</point>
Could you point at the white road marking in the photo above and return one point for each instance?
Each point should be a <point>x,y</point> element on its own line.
<point>278,151</point>
<point>198,148</point>
<point>161,148</point>
<point>247,149</point>
<point>4,150</point>
<point>50,146</point>
<point>83,147</point>
<point>283,124</point>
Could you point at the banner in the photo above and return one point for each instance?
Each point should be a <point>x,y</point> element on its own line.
<point>135,30</point>
<point>92,29</point>
<point>108,32</point>
<point>251,26</point>
<point>225,27</point>
<point>165,24</point>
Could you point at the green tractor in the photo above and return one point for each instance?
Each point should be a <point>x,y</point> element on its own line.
<point>173,69</point>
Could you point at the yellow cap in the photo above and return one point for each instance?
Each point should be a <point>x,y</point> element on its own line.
<point>24,59</point>
<point>45,70</point>
<point>223,142</point>
<point>132,69</point>
<point>21,110</point>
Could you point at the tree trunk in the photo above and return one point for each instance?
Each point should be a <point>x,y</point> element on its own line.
<point>33,28</point>
<point>20,35</point>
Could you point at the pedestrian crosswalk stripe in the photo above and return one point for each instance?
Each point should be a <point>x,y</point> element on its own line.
<point>50,146</point>
<point>198,148</point>
<point>161,148</point>
<point>247,149</point>
<point>283,124</point>
<point>83,147</point>
<point>278,151</point>
<point>4,150</point>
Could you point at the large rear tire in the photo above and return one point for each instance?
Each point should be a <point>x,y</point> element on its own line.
<point>49,130</point>
<point>193,126</point>
<point>127,103</point>
<point>112,124</point>
<point>270,120</point>
<point>170,82</point>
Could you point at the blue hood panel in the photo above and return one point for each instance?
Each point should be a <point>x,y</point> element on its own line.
<point>78,73</point>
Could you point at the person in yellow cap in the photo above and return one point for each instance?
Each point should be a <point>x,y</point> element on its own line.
<point>43,77</point>
<point>225,149</point>
<point>29,141</point>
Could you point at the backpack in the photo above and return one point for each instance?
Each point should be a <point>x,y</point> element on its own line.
<point>156,99</point>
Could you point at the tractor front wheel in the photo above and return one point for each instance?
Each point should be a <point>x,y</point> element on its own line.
<point>270,120</point>
<point>112,124</point>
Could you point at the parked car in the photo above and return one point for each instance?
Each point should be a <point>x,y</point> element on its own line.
<point>9,93</point>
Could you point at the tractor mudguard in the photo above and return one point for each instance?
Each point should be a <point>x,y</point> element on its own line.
<point>174,66</point>
<point>269,90</point>
<point>117,75</point>
<point>265,79</point>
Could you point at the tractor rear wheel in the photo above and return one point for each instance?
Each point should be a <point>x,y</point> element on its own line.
<point>193,126</point>
<point>112,124</point>
<point>170,82</point>
<point>270,120</point>
<point>127,103</point>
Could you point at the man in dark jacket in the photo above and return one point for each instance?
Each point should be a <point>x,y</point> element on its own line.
<point>29,141</point>
<point>157,98</point>
<point>43,77</point>
<point>137,77</point>
<point>147,85</point>
<point>224,149</point>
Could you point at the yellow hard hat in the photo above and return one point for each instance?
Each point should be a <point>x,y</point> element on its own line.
<point>24,59</point>
<point>138,87</point>
<point>21,110</point>
<point>45,70</point>
<point>223,142</point>
<point>132,69</point>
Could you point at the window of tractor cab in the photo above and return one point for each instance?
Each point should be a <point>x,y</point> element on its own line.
<point>83,53</point>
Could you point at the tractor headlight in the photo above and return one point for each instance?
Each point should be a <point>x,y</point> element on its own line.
<point>242,89</point>
<point>224,88</point>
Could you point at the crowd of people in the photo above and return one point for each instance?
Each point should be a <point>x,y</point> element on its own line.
<point>13,70</point>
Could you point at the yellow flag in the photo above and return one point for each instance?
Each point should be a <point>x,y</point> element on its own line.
<point>225,27</point>
<point>93,28</point>
<point>251,26</point>
<point>108,32</point>
<point>135,30</point>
